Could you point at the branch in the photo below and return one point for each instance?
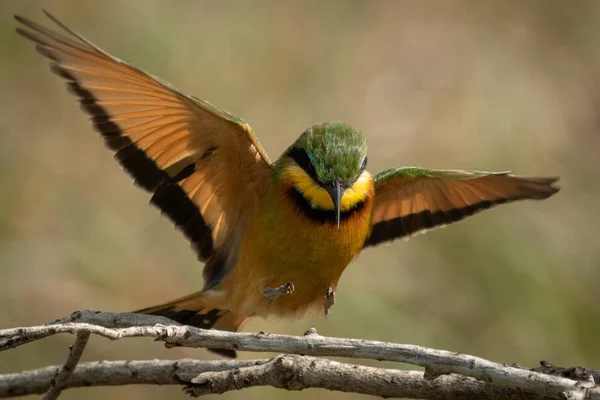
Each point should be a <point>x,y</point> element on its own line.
<point>115,373</point>
<point>294,372</point>
<point>57,385</point>
<point>18,336</point>
<point>438,363</point>
<point>289,372</point>
<point>576,373</point>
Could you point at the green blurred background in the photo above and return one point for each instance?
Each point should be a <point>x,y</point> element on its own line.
<point>489,85</point>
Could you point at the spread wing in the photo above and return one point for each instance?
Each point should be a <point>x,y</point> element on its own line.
<point>412,200</point>
<point>204,166</point>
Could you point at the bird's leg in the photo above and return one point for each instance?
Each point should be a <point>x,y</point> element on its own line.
<point>329,300</point>
<point>274,293</point>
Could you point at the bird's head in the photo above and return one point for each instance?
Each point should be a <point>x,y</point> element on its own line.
<point>326,164</point>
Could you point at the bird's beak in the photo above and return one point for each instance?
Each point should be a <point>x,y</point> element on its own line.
<point>336,192</point>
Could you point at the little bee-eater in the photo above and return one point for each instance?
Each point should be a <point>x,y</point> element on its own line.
<point>275,237</point>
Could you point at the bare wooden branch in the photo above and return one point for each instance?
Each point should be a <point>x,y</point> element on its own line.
<point>107,320</point>
<point>60,382</point>
<point>575,373</point>
<point>115,373</point>
<point>289,372</point>
<point>294,372</point>
<point>439,364</point>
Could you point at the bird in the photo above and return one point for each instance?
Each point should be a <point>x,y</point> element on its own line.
<point>274,236</point>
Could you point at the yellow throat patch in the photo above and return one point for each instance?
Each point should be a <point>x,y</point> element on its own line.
<point>319,197</point>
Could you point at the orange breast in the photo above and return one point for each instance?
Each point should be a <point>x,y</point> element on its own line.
<point>282,243</point>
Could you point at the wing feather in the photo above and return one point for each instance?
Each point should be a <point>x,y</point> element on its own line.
<point>175,146</point>
<point>412,200</point>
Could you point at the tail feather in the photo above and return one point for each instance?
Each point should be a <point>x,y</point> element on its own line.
<point>192,310</point>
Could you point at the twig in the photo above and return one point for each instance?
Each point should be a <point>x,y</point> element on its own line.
<point>294,372</point>
<point>291,372</point>
<point>60,382</point>
<point>107,320</point>
<point>576,373</point>
<point>436,362</point>
<point>115,373</point>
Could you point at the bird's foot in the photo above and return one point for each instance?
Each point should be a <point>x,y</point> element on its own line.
<point>273,293</point>
<point>329,300</point>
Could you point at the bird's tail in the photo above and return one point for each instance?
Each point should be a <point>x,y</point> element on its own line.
<point>194,310</point>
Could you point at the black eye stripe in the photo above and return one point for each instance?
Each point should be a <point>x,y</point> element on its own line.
<point>303,160</point>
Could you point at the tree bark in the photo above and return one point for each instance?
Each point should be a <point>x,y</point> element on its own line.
<point>447,374</point>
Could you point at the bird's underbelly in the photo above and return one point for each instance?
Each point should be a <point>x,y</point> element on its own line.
<point>308,254</point>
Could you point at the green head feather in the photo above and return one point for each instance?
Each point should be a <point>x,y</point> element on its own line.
<point>337,151</point>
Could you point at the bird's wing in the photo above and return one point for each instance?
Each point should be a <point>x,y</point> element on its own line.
<point>203,165</point>
<point>412,200</point>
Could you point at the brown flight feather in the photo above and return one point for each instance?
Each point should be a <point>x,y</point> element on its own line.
<point>411,200</point>
<point>203,165</point>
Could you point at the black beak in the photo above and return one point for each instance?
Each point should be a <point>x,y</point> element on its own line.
<point>335,191</point>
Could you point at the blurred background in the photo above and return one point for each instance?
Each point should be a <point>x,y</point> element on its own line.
<point>486,85</point>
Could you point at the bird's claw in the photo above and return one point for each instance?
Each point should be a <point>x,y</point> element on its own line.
<point>329,300</point>
<point>273,293</point>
